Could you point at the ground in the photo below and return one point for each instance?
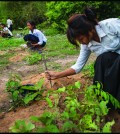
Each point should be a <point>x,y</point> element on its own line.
<point>32,74</point>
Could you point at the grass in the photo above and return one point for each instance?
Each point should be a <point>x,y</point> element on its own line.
<point>58,45</point>
<point>9,43</point>
<point>4,60</point>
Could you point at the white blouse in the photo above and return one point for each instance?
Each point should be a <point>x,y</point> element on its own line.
<point>40,35</point>
<point>109,33</point>
<point>5,29</point>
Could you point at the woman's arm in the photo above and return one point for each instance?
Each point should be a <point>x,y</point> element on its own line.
<point>76,68</point>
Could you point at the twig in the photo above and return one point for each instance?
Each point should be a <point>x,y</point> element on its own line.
<point>44,60</point>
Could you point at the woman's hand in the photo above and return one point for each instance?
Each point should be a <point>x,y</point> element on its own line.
<point>51,75</point>
<point>55,75</point>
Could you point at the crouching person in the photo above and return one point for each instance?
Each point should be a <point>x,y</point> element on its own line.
<point>6,33</point>
<point>36,40</point>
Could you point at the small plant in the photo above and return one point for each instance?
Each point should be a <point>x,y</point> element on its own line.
<point>34,58</point>
<point>89,70</point>
<point>23,94</point>
<point>86,115</point>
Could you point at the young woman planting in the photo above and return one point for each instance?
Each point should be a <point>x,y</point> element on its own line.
<point>36,39</point>
<point>102,38</point>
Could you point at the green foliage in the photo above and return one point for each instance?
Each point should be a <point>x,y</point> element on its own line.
<point>89,70</point>
<point>107,127</point>
<point>23,94</point>
<point>34,58</point>
<point>58,12</point>
<point>78,116</point>
<point>22,11</point>
<point>107,96</point>
<point>7,44</point>
<point>22,127</point>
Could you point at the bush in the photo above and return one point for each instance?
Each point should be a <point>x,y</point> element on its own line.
<point>59,12</point>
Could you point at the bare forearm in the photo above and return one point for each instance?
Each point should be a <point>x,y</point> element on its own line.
<point>65,73</point>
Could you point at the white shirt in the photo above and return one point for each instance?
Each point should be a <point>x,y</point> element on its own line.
<point>5,29</point>
<point>9,22</point>
<point>109,33</point>
<point>40,35</point>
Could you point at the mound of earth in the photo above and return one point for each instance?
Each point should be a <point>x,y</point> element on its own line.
<point>18,57</point>
<point>55,83</point>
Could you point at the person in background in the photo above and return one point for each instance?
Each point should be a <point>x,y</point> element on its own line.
<point>9,24</point>
<point>101,38</point>
<point>36,40</point>
<point>5,31</point>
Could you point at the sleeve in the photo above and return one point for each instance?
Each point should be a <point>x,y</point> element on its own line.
<point>40,36</point>
<point>114,26</point>
<point>82,59</point>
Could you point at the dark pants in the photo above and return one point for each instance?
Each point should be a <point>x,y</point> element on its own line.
<point>10,28</point>
<point>107,71</point>
<point>32,39</point>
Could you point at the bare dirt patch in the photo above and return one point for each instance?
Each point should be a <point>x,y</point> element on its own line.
<point>2,52</point>
<point>19,57</point>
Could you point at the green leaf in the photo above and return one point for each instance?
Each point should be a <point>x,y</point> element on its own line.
<point>103,107</point>
<point>15,95</point>
<point>68,125</point>
<point>78,84</point>
<point>98,85</point>
<point>47,118</point>
<point>61,90</point>
<point>107,127</point>
<point>52,128</point>
<point>35,118</point>
<point>22,126</point>
<point>30,97</point>
<point>28,88</point>
<point>39,84</point>
<point>30,126</point>
<point>93,126</point>
<point>49,102</point>
<point>65,115</point>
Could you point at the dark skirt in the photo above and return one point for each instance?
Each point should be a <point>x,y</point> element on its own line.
<point>107,71</point>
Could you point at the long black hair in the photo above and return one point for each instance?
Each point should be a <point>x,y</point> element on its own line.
<point>81,24</point>
<point>32,23</point>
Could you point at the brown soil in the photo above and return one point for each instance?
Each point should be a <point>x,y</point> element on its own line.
<point>19,57</point>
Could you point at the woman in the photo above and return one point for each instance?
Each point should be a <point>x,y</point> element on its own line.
<point>9,24</point>
<point>5,32</point>
<point>36,39</point>
<point>102,38</point>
